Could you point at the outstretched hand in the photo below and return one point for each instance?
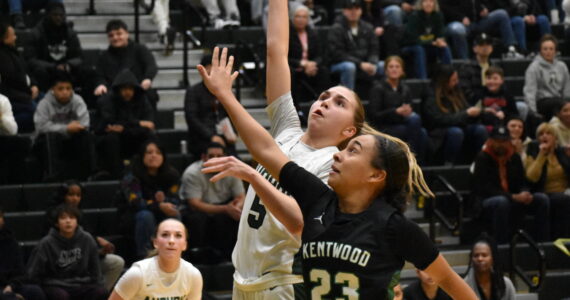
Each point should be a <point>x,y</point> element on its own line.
<point>221,77</point>
<point>228,166</point>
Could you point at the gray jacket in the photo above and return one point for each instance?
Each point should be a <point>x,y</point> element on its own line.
<point>545,80</point>
<point>509,287</point>
<point>52,116</point>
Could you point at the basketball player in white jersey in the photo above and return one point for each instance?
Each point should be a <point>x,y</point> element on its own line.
<point>165,275</point>
<point>264,253</point>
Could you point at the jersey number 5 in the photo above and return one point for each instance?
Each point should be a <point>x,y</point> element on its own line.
<point>348,281</point>
<point>256,214</point>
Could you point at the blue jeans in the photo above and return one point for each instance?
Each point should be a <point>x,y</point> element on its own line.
<point>522,109</point>
<point>476,136</point>
<point>412,132</point>
<point>496,20</point>
<point>145,222</point>
<point>393,15</point>
<point>499,210</point>
<point>348,69</point>
<point>519,28</point>
<point>17,6</point>
<point>424,53</point>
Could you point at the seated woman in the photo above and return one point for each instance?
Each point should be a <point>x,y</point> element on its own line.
<point>149,192</point>
<point>71,193</point>
<point>450,120</point>
<point>371,180</point>
<point>548,167</point>
<point>519,138</point>
<point>484,274</point>
<point>561,124</point>
<point>308,73</point>
<point>390,108</point>
<point>423,37</point>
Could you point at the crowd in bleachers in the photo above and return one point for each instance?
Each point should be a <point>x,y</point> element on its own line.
<point>89,123</point>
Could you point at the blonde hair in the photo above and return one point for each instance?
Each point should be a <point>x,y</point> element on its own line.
<point>546,127</point>
<point>358,120</point>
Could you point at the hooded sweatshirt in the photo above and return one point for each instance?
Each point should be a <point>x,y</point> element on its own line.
<point>545,80</point>
<point>52,116</point>
<point>116,111</point>
<point>66,262</point>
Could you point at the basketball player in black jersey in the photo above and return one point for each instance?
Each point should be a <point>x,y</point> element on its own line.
<point>355,238</point>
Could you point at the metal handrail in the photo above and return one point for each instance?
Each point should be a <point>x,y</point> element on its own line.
<point>91,10</point>
<point>137,17</point>
<point>453,226</point>
<point>534,283</point>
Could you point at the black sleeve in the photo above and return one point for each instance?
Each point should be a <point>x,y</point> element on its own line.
<point>74,55</point>
<point>149,63</point>
<point>192,100</point>
<point>409,240</point>
<point>304,186</point>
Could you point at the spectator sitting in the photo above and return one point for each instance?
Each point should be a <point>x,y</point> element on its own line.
<point>149,195</point>
<point>561,124</point>
<point>497,104</point>
<point>214,207</point>
<point>547,81</point>
<point>519,139</point>
<point>55,47</point>
<point>309,74</point>
<point>423,37</point>
<point>231,17</point>
<point>424,289</point>
<point>15,83</point>
<point>66,261</point>
<point>18,7</point>
<point>466,17</point>
<point>206,118</point>
<point>472,73</point>
<point>13,284</point>
<point>450,119</point>
<point>63,141</point>
<point>125,54</point>
<point>548,167</point>
<point>499,184</point>
<point>126,121</point>
<point>485,274</point>
<point>391,110</point>
<point>71,193</point>
<point>353,46</point>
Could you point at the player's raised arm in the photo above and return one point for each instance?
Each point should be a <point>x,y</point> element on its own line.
<point>277,67</point>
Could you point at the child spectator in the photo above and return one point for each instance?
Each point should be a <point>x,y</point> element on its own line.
<point>561,124</point>
<point>547,81</point>
<point>71,193</point>
<point>497,104</point>
<point>63,141</point>
<point>423,37</point>
<point>16,84</point>
<point>450,119</point>
<point>149,195</point>
<point>126,121</point>
<point>13,284</point>
<point>214,207</point>
<point>66,261</point>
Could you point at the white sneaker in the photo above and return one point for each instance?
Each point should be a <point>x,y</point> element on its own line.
<point>554,18</point>
<point>219,23</point>
<point>513,54</point>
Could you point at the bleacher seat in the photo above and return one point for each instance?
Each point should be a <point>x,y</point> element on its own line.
<point>515,85</point>
<point>37,197</point>
<point>99,194</point>
<point>170,139</point>
<point>11,198</point>
<point>165,119</point>
<point>27,226</point>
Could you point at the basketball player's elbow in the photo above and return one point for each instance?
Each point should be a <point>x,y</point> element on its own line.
<point>295,227</point>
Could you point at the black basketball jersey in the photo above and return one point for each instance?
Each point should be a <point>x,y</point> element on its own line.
<point>351,256</point>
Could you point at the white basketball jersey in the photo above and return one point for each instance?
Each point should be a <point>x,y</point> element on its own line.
<point>265,249</point>
<point>185,283</point>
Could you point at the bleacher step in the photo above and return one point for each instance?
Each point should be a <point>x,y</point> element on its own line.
<point>106,7</point>
<point>97,23</point>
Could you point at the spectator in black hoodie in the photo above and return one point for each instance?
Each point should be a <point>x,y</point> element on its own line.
<point>66,261</point>
<point>353,46</point>
<point>126,121</point>
<point>55,47</point>
<point>125,54</point>
<point>12,280</point>
<point>15,83</point>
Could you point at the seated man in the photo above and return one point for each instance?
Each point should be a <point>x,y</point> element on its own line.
<point>126,122</point>
<point>15,83</point>
<point>125,54</point>
<point>353,46</point>
<point>55,47</point>
<point>214,207</point>
<point>499,183</point>
<point>63,141</point>
<point>424,289</point>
